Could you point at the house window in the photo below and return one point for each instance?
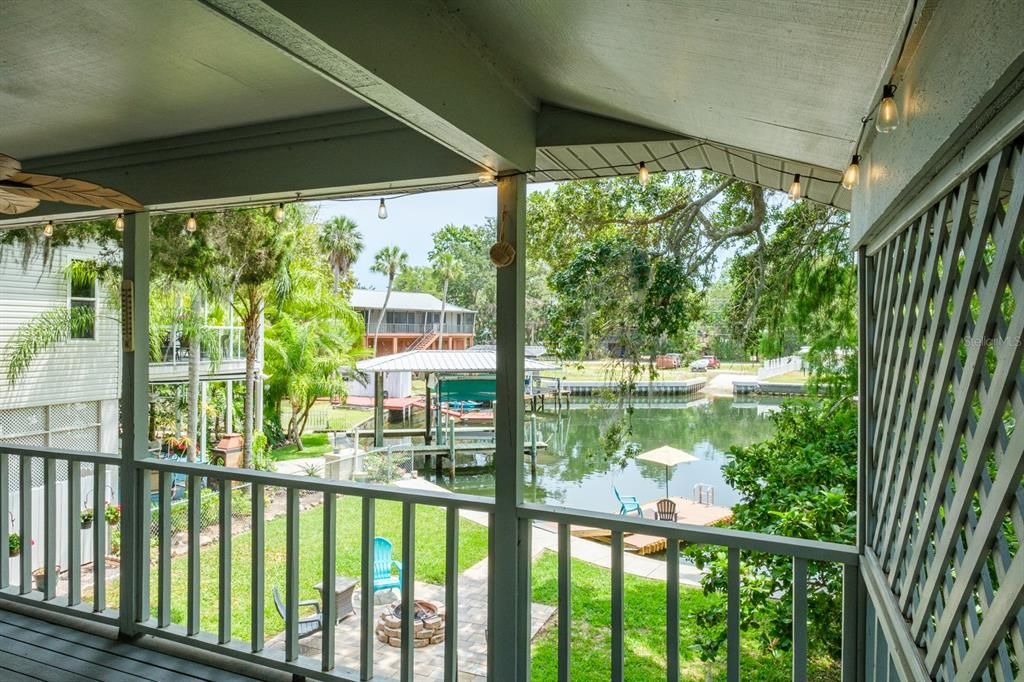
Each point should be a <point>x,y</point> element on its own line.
<point>82,299</point>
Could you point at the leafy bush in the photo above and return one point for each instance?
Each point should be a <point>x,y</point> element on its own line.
<point>14,544</point>
<point>801,483</point>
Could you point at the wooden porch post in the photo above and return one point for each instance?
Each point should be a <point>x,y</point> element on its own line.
<point>134,597</point>
<point>508,645</point>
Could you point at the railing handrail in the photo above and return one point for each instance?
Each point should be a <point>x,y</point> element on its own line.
<point>61,454</point>
<point>810,550</point>
<point>364,490</point>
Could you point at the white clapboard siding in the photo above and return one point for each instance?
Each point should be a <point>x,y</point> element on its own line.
<point>72,371</point>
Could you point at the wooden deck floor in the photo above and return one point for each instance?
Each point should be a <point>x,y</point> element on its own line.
<point>33,649</point>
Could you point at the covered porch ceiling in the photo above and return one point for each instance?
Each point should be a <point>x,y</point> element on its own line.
<point>194,103</point>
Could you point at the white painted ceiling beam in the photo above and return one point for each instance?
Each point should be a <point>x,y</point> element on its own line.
<point>411,59</point>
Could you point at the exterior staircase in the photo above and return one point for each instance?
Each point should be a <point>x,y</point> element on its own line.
<point>425,341</point>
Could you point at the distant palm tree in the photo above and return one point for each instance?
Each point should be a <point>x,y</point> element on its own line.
<point>341,241</point>
<point>446,268</point>
<point>389,261</point>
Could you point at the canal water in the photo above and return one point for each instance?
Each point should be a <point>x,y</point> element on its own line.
<point>575,472</point>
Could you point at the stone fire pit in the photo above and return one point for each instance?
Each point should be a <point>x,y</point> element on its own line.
<point>428,624</point>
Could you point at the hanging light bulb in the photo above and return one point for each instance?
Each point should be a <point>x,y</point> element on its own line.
<point>888,118</point>
<point>119,222</point>
<point>643,174</point>
<point>279,213</point>
<point>190,224</point>
<point>48,229</point>
<point>794,188</point>
<point>851,178</point>
<point>382,211</point>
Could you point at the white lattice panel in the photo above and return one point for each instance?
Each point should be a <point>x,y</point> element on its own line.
<point>946,506</point>
<point>22,421</point>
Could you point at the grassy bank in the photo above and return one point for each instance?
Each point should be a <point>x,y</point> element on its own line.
<point>644,631</point>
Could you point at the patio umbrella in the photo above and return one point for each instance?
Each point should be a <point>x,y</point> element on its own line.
<point>669,457</point>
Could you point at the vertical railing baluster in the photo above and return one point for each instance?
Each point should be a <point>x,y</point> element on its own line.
<point>49,528</point>
<point>408,588</point>
<point>330,557</point>
<point>291,600</point>
<point>5,509</point>
<point>672,609</point>
<point>74,519</point>
<point>139,525</point>
<point>451,596</point>
<point>851,622</point>
<point>618,660</point>
<point>25,514</point>
<point>163,568</point>
<point>366,637</point>
<point>564,603</point>
<point>258,557</point>
<point>194,521</point>
<point>224,579</point>
<point>524,595</point>
<point>733,617</point>
<point>99,537</point>
<point>799,619</point>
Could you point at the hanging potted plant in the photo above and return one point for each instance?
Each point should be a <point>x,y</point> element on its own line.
<point>87,516</point>
<point>112,514</point>
<point>14,544</point>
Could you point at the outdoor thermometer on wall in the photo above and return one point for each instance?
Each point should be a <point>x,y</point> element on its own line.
<point>127,321</point>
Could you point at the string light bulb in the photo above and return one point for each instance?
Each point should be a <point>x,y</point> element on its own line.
<point>279,213</point>
<point>382,210</point>
<point>851,178</point>
<point>48,229</point>
<point>119,222</point>
<point>794,188</point>
<point>888,118</point>
<point>190,224</point>
<point>643,174</point>
<point>488,177</point>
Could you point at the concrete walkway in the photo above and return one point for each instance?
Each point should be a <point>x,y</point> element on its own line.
<point>545,537</point>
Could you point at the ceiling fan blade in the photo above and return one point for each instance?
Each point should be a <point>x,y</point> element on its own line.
<point>13,204</point>
<point>8,166</point>
<point>68,191</point>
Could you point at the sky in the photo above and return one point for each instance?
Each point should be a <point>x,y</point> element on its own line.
<point>411,222</point>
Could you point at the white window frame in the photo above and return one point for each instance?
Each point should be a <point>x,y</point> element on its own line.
<point>93,300</point>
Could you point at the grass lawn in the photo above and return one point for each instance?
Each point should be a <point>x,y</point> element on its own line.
<point>430,559</point>
<point>788,378</point>
<point>316,444</point>
<point>644,631</point>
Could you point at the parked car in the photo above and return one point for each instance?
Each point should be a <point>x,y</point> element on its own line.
<point>700,365</point>
<point>713,362</point>
<point>666,362</point>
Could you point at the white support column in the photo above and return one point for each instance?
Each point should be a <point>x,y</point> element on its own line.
<point>510,557</point>
<point>229,406</point>
<point>134,600</point>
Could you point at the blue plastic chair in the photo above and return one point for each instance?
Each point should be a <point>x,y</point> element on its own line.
<point>628,503</point>
<point>383,579</point>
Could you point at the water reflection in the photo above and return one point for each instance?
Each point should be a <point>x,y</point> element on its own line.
<point>574,472</point>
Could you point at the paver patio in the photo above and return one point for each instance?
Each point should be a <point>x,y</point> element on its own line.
<point>429,661</point>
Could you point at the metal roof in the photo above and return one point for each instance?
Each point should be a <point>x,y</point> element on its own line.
<point>442,362</point>
<point>369,299</point>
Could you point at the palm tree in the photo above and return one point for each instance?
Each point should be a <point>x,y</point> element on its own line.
<point>389,261</point>
<point>446,268</point>
<point>341,241</point>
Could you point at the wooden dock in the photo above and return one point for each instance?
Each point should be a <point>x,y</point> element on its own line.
<point>689,512</point>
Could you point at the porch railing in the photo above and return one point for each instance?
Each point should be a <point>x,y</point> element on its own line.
<point>158,622</point>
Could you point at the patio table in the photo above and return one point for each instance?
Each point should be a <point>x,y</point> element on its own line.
<point>343,588</point>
